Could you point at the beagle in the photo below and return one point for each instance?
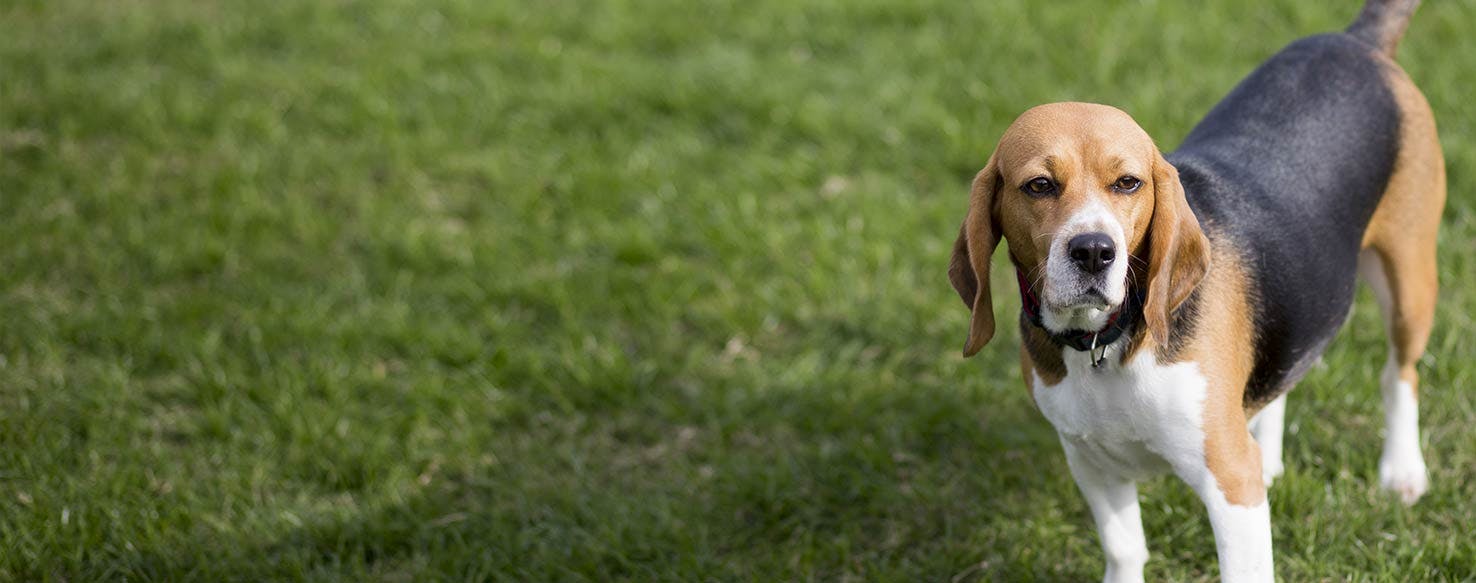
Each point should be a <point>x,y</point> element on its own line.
<point>1170,301</point>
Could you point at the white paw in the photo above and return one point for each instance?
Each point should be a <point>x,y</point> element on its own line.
<point>1404,476</point>
<point>1123,574</point>
<point>1271,470</point>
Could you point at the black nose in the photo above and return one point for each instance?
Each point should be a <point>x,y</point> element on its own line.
<point>1091,252</point>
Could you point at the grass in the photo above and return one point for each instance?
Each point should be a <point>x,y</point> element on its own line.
<point>612,290</point>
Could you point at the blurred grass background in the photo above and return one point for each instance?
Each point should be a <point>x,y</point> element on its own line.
<point>610,290</point>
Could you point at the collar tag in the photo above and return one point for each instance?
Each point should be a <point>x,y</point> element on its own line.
<point>1098,354</point>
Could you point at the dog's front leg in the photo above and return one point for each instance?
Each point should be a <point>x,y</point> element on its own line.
<point>1228,480</point>
<point>1242,537</point>
<point>1114,503</point>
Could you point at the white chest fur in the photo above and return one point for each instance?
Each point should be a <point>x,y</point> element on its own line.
<point>1141,418</point>
<point>1121,423</point>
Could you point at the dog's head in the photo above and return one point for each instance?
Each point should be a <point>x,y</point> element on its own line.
<point>1089,207</point>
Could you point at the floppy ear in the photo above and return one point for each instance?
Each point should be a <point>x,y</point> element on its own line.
<point>1178,251</point>
<point>969,269</point>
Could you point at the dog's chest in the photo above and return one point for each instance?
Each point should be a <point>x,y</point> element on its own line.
<point>1141,418</point>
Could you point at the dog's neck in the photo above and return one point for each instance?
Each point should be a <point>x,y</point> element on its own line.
<point>1046,350</point>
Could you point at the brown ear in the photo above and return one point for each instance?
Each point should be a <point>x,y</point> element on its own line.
<point>969,269</point>
<point>1178,253</point>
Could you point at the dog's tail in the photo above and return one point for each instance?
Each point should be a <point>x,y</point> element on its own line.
<point>1382,23</point>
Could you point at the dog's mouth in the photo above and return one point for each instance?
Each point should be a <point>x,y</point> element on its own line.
<point>1091,297</point>
<point>1089,309</point>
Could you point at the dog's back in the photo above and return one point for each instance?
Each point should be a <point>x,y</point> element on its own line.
<point>1294,164</point>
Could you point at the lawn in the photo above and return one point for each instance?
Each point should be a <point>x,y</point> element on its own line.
<point>611,290</point>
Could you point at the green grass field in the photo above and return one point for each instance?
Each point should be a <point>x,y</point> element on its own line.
<point>614,290</point>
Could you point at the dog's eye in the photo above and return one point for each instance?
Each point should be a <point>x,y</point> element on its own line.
<point>1039,186</point>
<point>1127,184</point>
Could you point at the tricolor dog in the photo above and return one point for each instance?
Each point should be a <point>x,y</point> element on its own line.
<point>1171,300</point>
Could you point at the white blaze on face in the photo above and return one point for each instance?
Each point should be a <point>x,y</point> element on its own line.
<point>1067,304</point>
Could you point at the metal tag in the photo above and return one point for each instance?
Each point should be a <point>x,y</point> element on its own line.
<point>1097,356</point>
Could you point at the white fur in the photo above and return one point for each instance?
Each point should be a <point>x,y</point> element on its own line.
<point>1121,423</point>
<point>1402,465</point>
<point>1066,307</point>
<point>1371,269</point>
<point>1114,503</point>
<point>1242,536</point>
<point>1267,427</point>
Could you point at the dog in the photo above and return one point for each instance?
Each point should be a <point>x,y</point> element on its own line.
<point>1169,301</point>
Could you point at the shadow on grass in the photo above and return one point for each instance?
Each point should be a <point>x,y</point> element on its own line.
<point>792,484</point>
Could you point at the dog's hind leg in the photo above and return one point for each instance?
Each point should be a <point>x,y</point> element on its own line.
<point>1267,427</point>
<point>1408,315</point>
<point>1398,263</point>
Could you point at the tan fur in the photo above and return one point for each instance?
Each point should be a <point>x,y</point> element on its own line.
<point>1404,226</point>
<point>1039,356</point>
<point>1179,254</point>
<point>1222,346</point>
<point>976,241</point>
